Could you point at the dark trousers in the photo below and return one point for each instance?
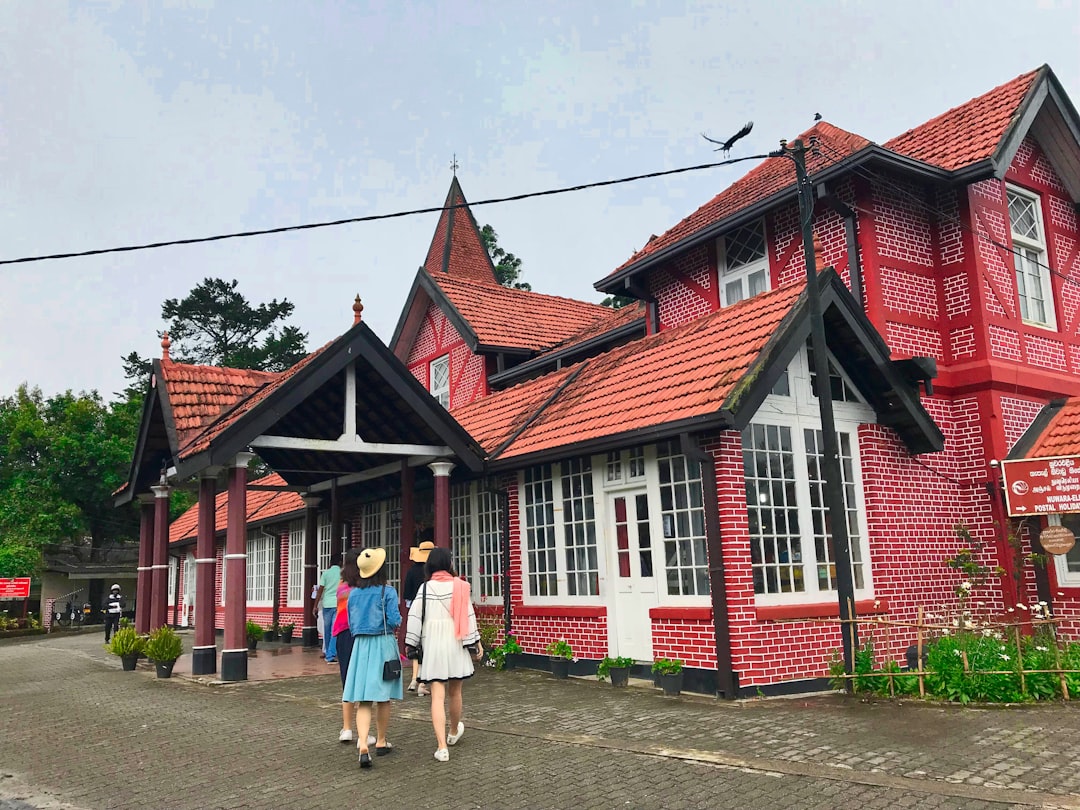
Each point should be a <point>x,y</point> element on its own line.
<point>344,641</point>
<point>112,624</point>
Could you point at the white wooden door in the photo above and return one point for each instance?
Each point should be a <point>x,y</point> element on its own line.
<point>187,605</point>
<point>633,572</point>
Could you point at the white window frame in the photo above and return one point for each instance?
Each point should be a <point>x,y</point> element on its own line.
<point>260,567</point>
<point>744,272</point>
<point>323,544</point>
<point>679,529</point>
<point>476,540</point>
<point>624,468</point>
<point>1023,275</point>
<point>1067,578</point>
<point>174,569</point>
<point>294,593</point>
<point>189,579</point>
<point>223,567</point>
<point>440,368</point>
<point>380,523</point>
<point>798,412</point>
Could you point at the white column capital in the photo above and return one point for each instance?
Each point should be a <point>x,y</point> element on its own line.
<point>242,459</point>
<point>441,469</point>
<point>311,501</point>
<point>161,491</point>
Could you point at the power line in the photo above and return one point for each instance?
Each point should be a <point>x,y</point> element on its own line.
<point>375,217</point>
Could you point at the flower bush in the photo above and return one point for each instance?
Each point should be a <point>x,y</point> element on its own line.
<point>560,648</point>
<point>608,663</point>
<point>497,654</point>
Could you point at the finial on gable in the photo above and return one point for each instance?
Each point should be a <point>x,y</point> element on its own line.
<point>454,164</point>
<point>165,345</point>
<point>357,308</point>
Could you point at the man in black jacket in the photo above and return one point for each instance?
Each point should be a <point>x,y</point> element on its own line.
<point>114,606</point>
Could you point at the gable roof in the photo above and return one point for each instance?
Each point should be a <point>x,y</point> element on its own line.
<point>1055,431</point>
<point>262,505</point>
<point>456,247</point>
<point>973,141</point>
<point>713,372</point>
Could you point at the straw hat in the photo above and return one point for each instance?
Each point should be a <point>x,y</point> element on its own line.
<point>370,560</point>
<point>420,553</point>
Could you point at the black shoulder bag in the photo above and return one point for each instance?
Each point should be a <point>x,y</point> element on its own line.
<point>391,669</point>
<point>417,653</point>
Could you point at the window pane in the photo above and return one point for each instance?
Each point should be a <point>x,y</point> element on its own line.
<point>578,528</point>
<point>683,520</point>
<point>540,531</point>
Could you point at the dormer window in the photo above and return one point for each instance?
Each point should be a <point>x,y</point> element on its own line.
<point>743,263</point>
<point>439,380</point>
<point>1029,256</point>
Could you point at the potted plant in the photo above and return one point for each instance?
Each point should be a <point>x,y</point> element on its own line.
<point>128,645</point>
<point>618,668</point>
<point>286,632</point>
<point>504,656</point>
<point>163,647</point>
<point>561,654</point>
<point>670,672</point>
<point>254,634</point>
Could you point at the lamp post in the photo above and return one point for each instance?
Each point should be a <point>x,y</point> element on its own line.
<point>832,480</point>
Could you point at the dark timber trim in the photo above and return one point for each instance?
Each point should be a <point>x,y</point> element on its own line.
<point>1036,429</point>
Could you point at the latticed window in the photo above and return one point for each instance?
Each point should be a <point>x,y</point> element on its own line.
<point>174,569</point>
<point>260,575</point>
<point>489,551</point>
<point>1033,287</point>
<point>440,380</point>
<point>461,529</point>
<point>579,528</point>
<point>380,525</point>
<point>744,268</point>
<point>540,542</point>
<point>682,516</point>
<point>295,596</point>
<point>324,542</point>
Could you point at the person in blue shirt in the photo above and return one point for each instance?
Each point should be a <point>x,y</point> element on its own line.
<point>373,619</point>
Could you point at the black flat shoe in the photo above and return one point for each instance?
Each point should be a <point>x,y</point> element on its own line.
<point>383,750</point>
<point>365,760</point>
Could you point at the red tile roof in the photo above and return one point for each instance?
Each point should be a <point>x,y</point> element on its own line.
<point>968,133</point>
<point>261,505</point>
<point>518,319</point>
<point>674,375</point>
<point>1061,436</point>
<point>468,257</point>
<point>768,178</point>
<point>199,394</point>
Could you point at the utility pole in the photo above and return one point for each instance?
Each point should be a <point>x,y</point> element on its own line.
<point>832,480</point>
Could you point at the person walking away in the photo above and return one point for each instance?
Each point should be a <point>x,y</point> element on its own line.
<point>414,578</point>
<point>326,601</point>
<point>343,641</point>
<point>114,607</point>
<point>445,630</point>
<point>373,618</point>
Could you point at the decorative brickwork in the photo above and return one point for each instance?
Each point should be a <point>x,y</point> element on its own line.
<point>962,342</point>
<point>908,292</point>
<point>901,223</point>
<point>1004,343</point>
<point>1017,415</point>
<point>1045,352</point>
<point>906,340</point>
<point>685,288</point>
<point>957,296</point>
<point>437,337</point>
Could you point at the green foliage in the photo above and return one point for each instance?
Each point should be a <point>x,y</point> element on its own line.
<point>560,648</point>
<point>507,265</point>
<point>287,629</point>
<point>608,663</point>
<point>498,654</point>
<point>164,645</point>
<point>125,621</point>
<point>968,561</point>
<point>126,641</point>
<point>253,631</point>
<point>667,666</point>
<point>617,301</point>
<point>19,557</point>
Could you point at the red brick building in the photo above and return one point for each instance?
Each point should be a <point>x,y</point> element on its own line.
<point>647,481</point>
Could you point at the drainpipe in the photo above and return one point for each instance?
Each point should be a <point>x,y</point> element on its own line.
<point>725,676</point>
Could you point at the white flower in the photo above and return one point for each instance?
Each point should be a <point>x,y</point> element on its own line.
<point>945,632</point>
<point>1022,607</point>
<point>965,586</point>
<point>1011,610</point>
<point>988,632</point>
<point>957,652</point>
<point>968,625</point>
<point>877,603</point>
<point>1004,657</point>
<point>1042,604</point>
<point>1041,648</point>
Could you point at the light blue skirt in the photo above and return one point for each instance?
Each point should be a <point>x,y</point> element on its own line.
<point>364,680</point>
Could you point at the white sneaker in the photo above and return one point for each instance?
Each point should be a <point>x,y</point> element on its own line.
<point>442,755</point>
<point>370,740</point>
<point>346,735</point>
<point>453,738</point>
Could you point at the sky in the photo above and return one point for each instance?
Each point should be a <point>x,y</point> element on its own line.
<point>129,122</point>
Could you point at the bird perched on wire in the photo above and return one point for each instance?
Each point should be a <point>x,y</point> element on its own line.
<point>725,146</point>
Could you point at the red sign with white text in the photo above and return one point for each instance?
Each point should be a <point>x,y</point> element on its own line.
<point>14,588</point>
<point>1042,486</point>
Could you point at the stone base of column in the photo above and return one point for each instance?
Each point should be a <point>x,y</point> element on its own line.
<point>204,661</point>
<point>234,665</point>
<point>311,637</point>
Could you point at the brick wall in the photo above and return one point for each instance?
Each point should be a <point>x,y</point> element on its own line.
<point>437,337</point>
<point>685,288</point>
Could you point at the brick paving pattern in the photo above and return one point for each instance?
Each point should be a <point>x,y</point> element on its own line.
<point>79,733</point>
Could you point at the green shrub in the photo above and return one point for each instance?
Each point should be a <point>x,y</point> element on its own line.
<point>497,655</point>
<point>164,645</point>
<point>126,641</point>
<point>608,663</point>
<point>560,648</point>
<point>253,631</point>
<point>667,666</point>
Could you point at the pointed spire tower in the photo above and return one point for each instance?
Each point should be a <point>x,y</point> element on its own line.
<point>456,248</point>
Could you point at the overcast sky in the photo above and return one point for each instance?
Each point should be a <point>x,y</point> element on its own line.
<point>125,122</point>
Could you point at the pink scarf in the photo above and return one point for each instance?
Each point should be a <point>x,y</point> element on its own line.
<point>460,598</point>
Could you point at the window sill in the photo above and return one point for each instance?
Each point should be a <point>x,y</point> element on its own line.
<point>560,611</point>
<point>689,614</point>
<point>823,610</point>
<point>488,610</point>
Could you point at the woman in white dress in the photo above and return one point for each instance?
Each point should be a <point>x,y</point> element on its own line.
<point>444,632</point>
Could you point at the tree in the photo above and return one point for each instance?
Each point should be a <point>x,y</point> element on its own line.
<point>507,265</point>
<point>215,325</point>
<point>617,301</point>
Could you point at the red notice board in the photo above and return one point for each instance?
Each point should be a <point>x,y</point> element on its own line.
<point>1042,486</point>
<point>14,588</point>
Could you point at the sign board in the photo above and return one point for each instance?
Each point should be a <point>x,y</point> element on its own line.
<point>14,588</point>
<point>1042,486</point>
<point>1057,540</point>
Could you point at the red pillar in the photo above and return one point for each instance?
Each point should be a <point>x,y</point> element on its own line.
<point>144,584</point>
<point>234,656</point>
<point>204,653</point>
<point>159,602</point>
<point>310,634</point>
<point>442,469</point>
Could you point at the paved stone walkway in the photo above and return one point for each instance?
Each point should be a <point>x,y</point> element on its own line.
<point>77,733</point>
